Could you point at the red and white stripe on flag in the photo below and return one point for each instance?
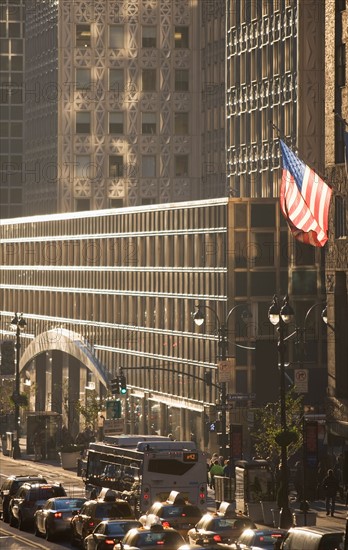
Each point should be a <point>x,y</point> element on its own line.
<point>306,207</point>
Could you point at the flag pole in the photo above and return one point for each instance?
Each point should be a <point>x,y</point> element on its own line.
<point>280,134</point>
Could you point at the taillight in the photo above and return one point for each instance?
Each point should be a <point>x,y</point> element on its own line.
<point>91,523</point>
<point>217,538</point>
<point>165,523</point>
<point>58,515</point>
<point>109,541</point>
<point>160,542</point>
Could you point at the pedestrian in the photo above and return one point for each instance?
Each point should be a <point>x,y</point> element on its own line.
<point>298,481</point>
<point>330,486</point>
<point>37,442</point>
<point>215,470</point>
<point>228,469</point>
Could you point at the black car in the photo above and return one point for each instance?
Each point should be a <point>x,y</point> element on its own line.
<point>95,511</point>
<point>108,533</point>
<point>10,487</point>
<point>29,498</point>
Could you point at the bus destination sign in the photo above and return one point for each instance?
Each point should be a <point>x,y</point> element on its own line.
<point>190,457</point>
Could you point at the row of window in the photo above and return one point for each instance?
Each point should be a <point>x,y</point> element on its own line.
<point>118,84</point>
<point>117,168</point>
<point>116,123</point>
<point>117,36</point>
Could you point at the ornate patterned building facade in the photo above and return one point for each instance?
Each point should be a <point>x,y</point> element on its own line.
<point>336,109</point>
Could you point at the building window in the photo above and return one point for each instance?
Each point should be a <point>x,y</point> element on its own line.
<point>116,203</point>
<point>83,36</point>
<point>148,80</point>
<point>82,204</point>
<point>181,166</point>
<point>181,124</point>
<point>83,79</point>
<point>181,80</point>
<point>340,217</point>
<point>116,123</point>
<point>148,123</point>
<point>149,39</point>
<point>116,37</point>
<point>115,166</point>
<point>83,122</point>
<point>148,166</point>
<point>116,80</point>
<point>83,166</point>
<point>181,37</point>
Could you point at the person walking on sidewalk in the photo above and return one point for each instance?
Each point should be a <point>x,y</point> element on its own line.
<point>330,485</point>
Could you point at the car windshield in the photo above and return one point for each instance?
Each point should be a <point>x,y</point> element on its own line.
<point>266,541</point>
<point>69,503</point>
<point>180,511</point>
<point>113,510</point>
<point>228,523</point>
<point>120,528</point>
<point>162,539</point>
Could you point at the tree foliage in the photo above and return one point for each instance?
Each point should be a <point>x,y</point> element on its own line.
<point>90,408</point>
<point>267,428</point>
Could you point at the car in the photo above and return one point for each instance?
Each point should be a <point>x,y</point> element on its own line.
<point>151,538</point>
<point>95,511</point>
<point>259,539</point>
<point>175,512</point>
<point>10,487</point>
<point>109,532</point>
<point>29,498</point>
<point>55,515</point>
<point>216,528</point>
<point>314,538</point>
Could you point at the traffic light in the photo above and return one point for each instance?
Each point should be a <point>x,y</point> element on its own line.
<point>123,385</point>
<point>115,386</point>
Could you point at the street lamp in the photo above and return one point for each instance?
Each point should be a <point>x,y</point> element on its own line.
<point>18,324</point>
<point>199,318</point>
<point>281,316</point>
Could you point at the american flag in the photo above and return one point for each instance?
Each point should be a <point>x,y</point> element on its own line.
<point>304,200</point>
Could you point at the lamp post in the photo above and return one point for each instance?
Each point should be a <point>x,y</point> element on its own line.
<point>18,324</point>
<point>199,318</point>
<point>281,316</point>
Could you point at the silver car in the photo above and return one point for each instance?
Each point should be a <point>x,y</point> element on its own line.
<point>55,516</point>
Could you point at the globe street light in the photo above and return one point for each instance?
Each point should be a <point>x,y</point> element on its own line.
<point>280,317</point>
<point>18,324</point>
<point>199,318</point>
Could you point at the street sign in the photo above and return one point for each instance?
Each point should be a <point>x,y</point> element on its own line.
<point>225,369</point>
<point>114,427</point>
<point>301,380</point>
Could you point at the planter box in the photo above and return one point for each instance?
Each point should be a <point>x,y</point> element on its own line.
<point>299,518</point>
<point>69,460</point>
<point>267,508</point>
<point>254,511</point>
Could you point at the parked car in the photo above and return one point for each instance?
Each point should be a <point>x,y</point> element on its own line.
<point>29,498</point>
<point>109,532</point>
<point>175,512</point>
<point>95,511</point>
<point>314,538</point>
<point>10,487</point>
<point>54,517</point>
<point>151,538</point>
<point>215,528</point>
<point>257,539</point>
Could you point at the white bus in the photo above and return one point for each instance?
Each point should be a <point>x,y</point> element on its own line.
<point>146,469</point>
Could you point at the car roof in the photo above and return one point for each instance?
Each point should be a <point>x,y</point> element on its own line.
<point>23,476</point>
<point>317,530</point>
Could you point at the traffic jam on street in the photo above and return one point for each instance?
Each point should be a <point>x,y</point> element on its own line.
<point>44,506</point>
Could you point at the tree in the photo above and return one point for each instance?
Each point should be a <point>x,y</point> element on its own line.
<point>267,434</point>
<point>90,408</point>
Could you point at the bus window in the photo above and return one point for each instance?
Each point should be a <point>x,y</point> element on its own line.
<point>171,466</point>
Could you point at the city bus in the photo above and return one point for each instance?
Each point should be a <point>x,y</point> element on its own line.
<point>146,470</point>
